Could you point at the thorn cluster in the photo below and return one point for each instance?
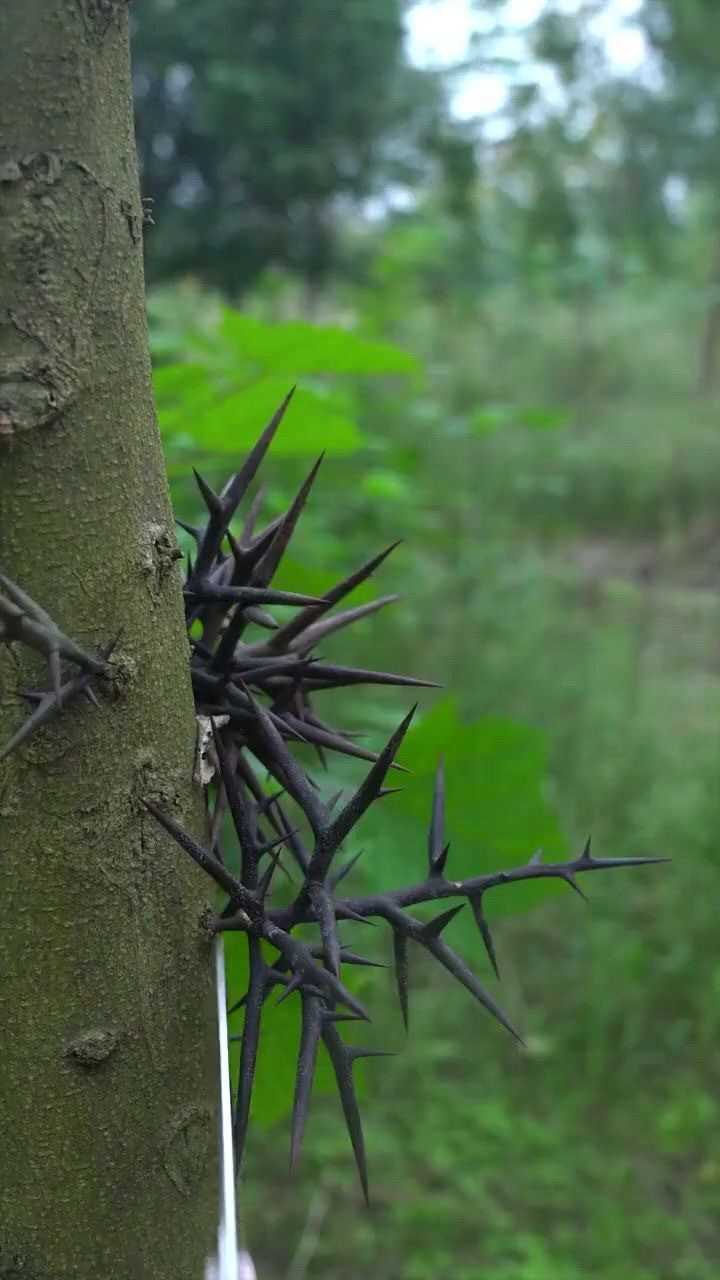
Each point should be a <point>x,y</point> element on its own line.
<point>263,693</point>
<point>22,620</point>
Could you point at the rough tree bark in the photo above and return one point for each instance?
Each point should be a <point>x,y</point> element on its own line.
<point>107,1064</point>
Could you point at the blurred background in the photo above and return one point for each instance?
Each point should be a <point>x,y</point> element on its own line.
<point>484,239</point>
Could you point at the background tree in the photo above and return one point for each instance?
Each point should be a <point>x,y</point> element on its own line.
<point>258,122</point>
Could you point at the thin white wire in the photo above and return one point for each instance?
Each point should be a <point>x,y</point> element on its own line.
<point>230,1264</point>
<point>227,1232</point>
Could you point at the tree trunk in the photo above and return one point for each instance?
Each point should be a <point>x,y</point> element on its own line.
<point>107,1074</point>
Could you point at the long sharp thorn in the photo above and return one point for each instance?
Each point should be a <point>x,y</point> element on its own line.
<point>189,528</point>
<point>312,1025</point>
<point>209,496</point>
<point>351,957</point>
<point>266,881</point>
<point>235,890</point>
<point>340,875</point>
<point>238,484</point>
<point>434,928</point>
<point>569,878</point>
<point>342,1066</point>
<point>437,853</point>
<point>333,835</point>
<point>249,1047</point>
<point>239,809</point>
<point>332,676</point>
<point>292,777</point>
<point>400,953</point>
<point>476,903</point>
<point>317,631</point>
<point>265,568</point>
<point>295,983</point>
<point>459,970</point>
<point>261,618</point>
<point>286,634</point>
<point>251,518</point>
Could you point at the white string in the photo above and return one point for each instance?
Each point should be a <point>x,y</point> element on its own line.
<point>229,1264</point>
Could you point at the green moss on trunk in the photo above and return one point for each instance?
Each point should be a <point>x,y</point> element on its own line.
<point>107,1085</point>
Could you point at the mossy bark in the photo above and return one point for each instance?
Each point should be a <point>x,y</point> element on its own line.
<point>107,1064</point>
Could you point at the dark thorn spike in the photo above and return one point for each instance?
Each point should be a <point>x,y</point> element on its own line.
<point>209,496</point>
<point>237,486</point>
<point>434,928</point>
<point>437,851</point>
<point>261,618</point>
<point>249,1047</point>
<point>332,597</point>
<point>333,835</point>
<point>266,567</point>
<point>189,528</point>
<point>451,961</point>
<point>400,953</point>
<point>342,1066</point>
<point>345,871</point>
<point>293,985</point>
<point>317,631</point>
<point>569,878</point>
<point>477,908</point>
<point>291,776</point>
<point>312,1026</point>
<point>233,888</point>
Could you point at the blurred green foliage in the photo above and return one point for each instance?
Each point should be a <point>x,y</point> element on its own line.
<point>547,445</point>
<point>256,120</point>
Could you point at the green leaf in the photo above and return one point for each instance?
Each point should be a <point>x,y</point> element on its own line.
<point>299,349</point>
<point>312,423</point>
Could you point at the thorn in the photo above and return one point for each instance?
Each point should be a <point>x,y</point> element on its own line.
<point>330,838</point>
<point>294,984</point>
<point>267,565</point>
<point>569,878</point>
<point>477,908</point>
<point>586,855</point>
<point>342,1066</point>
<point>400,952</point>
<point>249,1047</point>
<point>434,928</point>
<point>437,849</point>
<point>337,593</point>
<point>189,528</point>
<point>345,871</point>
<point>312,1025</point>
<point>210,498</point>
